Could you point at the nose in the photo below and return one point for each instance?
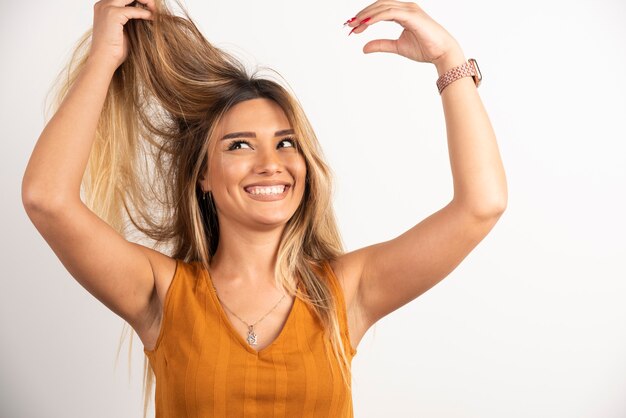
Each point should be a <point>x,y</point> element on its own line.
<point>268,161</point>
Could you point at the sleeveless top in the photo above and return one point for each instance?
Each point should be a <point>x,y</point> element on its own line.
<point>204,368</point>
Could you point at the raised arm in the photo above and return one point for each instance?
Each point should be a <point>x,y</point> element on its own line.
<point>393,273</point>
<point>117,272</point>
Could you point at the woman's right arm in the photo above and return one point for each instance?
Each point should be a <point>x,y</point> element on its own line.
<point>117,272</point>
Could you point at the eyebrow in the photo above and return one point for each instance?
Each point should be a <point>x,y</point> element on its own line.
<point>253,135</point>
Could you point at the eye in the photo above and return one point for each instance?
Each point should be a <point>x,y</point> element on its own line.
<point>233,144</point>
<point>291,140</point>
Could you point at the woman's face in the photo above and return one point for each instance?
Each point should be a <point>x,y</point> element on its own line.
<point>256,175</point>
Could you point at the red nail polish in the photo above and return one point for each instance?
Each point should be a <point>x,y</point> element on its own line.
<point>353,29</point>
<point>350,20</point>
<point>365,20</point>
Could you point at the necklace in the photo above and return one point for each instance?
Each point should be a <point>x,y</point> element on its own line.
<point>252,336</point>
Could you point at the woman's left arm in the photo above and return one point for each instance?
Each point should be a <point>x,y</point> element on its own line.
<point>477,170</point>
<point>394,272</point>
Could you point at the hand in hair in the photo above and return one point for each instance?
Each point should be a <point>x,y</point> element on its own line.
<point>109,43</point>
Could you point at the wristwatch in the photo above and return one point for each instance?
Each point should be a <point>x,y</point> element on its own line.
<point>467,69</point>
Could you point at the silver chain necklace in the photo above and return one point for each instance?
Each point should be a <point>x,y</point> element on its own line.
<point>252,336</point>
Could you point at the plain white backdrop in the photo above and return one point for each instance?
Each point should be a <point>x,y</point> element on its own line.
<point>531,324</point>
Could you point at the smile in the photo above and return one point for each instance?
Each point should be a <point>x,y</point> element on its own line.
<point>267,193</point>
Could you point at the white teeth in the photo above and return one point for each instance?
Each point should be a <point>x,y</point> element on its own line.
<point>266,190</point>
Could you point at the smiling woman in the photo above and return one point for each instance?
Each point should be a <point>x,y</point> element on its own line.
<point>238,168</point>
<point>246,208</point>
<point>255,309</point>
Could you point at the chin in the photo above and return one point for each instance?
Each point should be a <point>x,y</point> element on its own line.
<point>274,220</point>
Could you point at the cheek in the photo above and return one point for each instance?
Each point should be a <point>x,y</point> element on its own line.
<point>303,172</point>
<point>298,166</point>
<point>299,172</point>
<point>227,171</point>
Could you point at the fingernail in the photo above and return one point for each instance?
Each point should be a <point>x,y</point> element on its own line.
<point>365,20</point>
<point>353,29</point>
<point>348,21</point>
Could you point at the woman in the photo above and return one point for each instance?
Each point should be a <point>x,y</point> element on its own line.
<point>256,308</point>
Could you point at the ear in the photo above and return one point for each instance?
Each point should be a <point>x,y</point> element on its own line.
<point>203,183</point>
<point>204,180</point>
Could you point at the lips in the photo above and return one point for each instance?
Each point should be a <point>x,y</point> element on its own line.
<point>268,184</point>
<point>267,196</point>
<point>267,190</point>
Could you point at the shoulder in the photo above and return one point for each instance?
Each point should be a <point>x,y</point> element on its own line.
<point>164,268</point>
<point>347,269</point>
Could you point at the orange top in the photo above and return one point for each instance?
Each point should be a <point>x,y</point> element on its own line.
<point>204,368</point>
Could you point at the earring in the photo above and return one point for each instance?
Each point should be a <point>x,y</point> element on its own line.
<point>211,201</point>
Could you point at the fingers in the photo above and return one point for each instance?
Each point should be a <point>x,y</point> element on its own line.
<point>381,45</point>
<point>131,12</point>
<point>123,3</point>
<point>363,13</point>
<point>136,13</point>
<point>374,11</point>
<point>375,8</point>
<point>148,3</point>
<point>397,12</point>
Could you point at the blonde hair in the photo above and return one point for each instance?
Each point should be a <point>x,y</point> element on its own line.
<point>160,117</point>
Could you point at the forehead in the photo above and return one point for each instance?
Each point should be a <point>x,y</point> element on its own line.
<point>263,116</point>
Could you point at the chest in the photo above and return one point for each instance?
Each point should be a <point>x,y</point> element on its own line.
<point>204,366</point>
<point>219,380</point>
<point>258,319</point>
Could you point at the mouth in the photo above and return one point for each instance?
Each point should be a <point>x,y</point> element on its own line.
<point>268,193</point>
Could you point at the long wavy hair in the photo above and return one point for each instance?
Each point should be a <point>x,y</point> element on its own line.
<point>153,138</point>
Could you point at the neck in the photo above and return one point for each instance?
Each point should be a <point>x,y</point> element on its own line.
<point>246,257</point>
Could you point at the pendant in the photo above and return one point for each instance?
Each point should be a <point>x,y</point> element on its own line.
<point>251,336</point>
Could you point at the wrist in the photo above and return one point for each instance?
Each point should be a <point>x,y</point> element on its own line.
<point>449,60</point>
<point>102,65</point>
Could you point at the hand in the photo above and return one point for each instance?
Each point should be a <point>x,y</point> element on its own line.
<point>422,40</point>
<point>109,42</point>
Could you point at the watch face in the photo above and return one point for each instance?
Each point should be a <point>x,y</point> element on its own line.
<point>478,77</point>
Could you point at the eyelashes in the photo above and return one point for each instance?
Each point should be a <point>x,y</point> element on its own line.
<point>232,145</point>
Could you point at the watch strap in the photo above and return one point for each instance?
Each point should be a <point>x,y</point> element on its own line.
<point>467,69</point>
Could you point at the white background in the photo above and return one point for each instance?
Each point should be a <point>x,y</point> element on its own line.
<point>533,321</point>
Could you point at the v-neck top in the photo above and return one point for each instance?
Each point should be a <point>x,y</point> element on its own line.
<point>204,368</point>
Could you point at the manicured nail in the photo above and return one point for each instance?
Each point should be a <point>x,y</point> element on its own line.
<point>365,20</point>
<point>348,21</point>
<point>353,29</point>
